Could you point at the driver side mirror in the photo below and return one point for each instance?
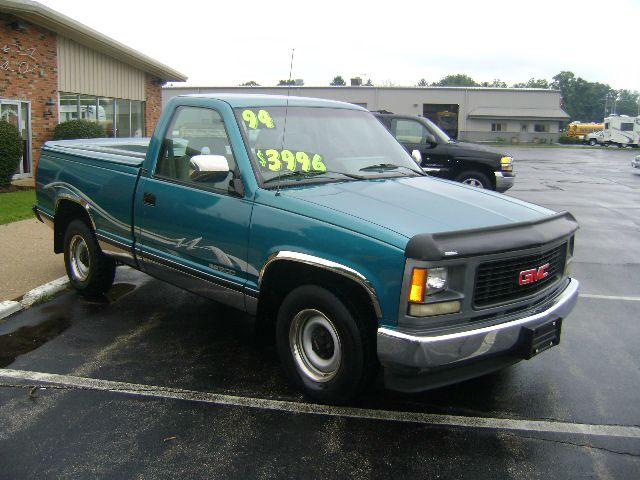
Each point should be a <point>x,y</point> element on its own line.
<point>417,156</point>
<point>208,167</point>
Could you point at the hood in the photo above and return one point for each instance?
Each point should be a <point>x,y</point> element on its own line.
<point>475,151</point>
<point>404,206</point>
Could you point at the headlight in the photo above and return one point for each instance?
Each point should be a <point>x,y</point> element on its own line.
<point>427,281</point>
<point>506,163</point>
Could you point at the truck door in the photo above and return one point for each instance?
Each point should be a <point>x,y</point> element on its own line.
<point>413,136</point>
<point>193,232</point>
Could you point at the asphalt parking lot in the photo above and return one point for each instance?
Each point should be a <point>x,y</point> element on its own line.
<point>154,382</point>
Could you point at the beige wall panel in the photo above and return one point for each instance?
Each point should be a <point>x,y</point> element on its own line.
<point>82,70</point>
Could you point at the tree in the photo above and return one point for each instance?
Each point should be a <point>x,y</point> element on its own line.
<point>338,81</point>
<point>250,83</point>
<point>497,83</point>
<point>583,100</point>
<point>422,83</point>
<point>627,102</point>
<point>533,83</point>
<point>286,82</point>
<point>456,80</point>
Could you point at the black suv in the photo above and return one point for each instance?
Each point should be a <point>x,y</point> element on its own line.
<point>443,157</point>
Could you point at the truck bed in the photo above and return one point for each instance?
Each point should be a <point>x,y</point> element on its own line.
<point>100,175</point>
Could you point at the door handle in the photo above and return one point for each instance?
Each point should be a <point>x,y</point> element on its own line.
<point>149,199</point>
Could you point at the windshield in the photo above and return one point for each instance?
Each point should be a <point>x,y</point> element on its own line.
<point>440,135</point>
<point>321,144</point>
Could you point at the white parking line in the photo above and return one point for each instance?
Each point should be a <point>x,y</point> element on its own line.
<point>539,426</point>
<point>609,297</point>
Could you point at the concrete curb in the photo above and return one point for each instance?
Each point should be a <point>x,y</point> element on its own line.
<point>33,297</point>
<point>9,307</point>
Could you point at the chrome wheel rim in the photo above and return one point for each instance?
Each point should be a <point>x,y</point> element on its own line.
<point>315,345</point>
<point>474,182</point>
<point>80,260</point>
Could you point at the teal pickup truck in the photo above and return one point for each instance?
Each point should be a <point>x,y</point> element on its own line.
<point>307,214</point>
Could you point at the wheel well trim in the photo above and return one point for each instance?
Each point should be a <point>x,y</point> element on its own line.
<point>328,265</point>
<point>86,206</point>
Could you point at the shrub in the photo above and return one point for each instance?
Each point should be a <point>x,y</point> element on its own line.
<point>10,152</point>
<point>569,140</point>
<point>78,129</point>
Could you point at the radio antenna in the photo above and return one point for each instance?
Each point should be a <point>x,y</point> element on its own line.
<point>286,111</point>
<point>290,72</point>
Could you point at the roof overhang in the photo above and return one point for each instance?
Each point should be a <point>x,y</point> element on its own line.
<point>520,113</point>
<point>43,16</point>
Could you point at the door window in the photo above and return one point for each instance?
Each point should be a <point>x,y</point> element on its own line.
<point>195,131</point>
<point>409,131</point>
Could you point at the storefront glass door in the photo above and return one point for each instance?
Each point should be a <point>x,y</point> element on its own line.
<point>19,114</point>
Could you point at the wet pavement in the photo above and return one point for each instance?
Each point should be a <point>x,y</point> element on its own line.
<point>154,382</point>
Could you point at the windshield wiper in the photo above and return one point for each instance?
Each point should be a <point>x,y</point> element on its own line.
<point>389,166</point>
<point>310,174</point>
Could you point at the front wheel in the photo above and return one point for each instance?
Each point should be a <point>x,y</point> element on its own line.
<point>90,271</point>
<point>593,142</point>
<point>474,179</point>
<point>326,349</point>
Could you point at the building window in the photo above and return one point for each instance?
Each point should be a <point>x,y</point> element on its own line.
<point>68,107</point>
<point>119,117</point>
<point>123,118</point>
<point>137,119</point>
<point>524,127</point>
<point>541,128</point>
<point>88,108</point>
<point>106,115</point>
<point>498,127</point>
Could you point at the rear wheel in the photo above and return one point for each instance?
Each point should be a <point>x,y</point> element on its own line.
<point>474,179</point>
<point>593,142</point>
<point>90,271</point>
<point>326,349</point>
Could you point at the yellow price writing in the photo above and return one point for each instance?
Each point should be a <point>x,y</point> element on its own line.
<point>274,161</point>
<point>259,120</point>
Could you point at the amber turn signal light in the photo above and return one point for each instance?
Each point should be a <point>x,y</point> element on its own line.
<point>418,281</point>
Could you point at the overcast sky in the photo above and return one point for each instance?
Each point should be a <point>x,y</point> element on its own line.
<point>222,43</point>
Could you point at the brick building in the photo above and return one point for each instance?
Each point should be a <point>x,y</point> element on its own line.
<point>54,69</point>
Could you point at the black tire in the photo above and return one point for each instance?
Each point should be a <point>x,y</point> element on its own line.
<point>327,349</point>
<point>90,271</point>
<point>593,142</point>
<point>474,179</point>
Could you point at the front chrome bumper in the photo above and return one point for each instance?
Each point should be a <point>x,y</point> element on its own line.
<point>503,183</point>
<point>423,353</point>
